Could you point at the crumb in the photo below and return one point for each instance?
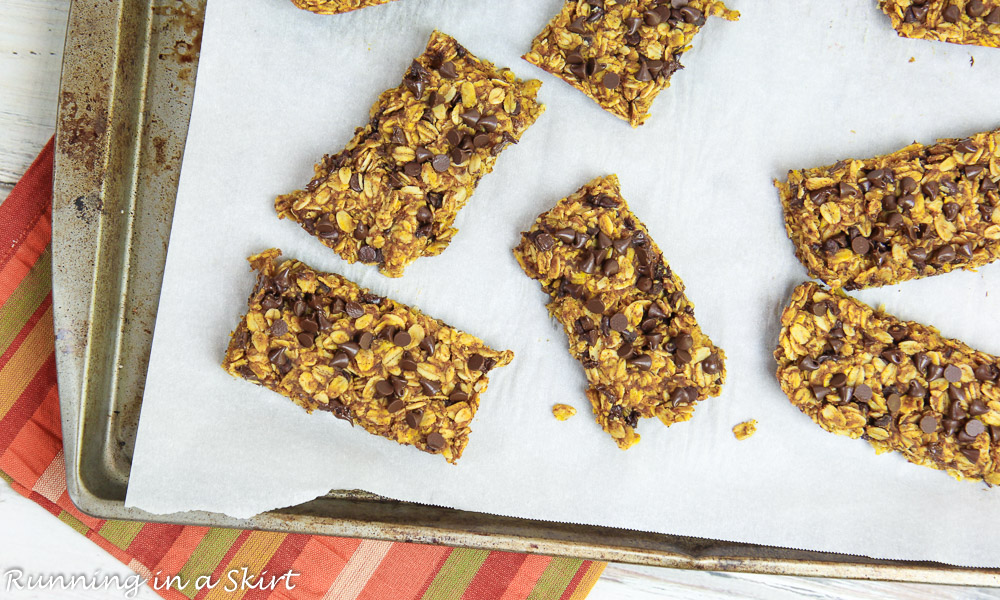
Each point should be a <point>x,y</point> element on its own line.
<point>972,61</point>
<point>563,411</point>
<point>913,59</point>
<point>745,429</point>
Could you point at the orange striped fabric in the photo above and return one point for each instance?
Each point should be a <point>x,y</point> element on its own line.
<point>175,559</point>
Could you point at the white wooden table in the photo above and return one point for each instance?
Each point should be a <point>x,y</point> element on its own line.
<point>31,37</point>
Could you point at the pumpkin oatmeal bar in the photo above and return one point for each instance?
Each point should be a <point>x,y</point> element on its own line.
<point>921,211</point>
<point>624,310</point>
<point>898,384</point>
<point>622,53</point>
<point>956,21</point>
<point>333,7</point>
<point>392,195</point>
<point>329,345</point>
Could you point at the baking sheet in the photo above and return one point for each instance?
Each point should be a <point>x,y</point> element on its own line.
<point>791,85</point>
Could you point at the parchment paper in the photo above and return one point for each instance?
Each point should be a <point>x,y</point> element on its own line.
<point>793,84</point>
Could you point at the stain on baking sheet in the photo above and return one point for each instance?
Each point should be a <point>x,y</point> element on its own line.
<point>82,127</point>
<point>88,207</point>
<point>190,17</point>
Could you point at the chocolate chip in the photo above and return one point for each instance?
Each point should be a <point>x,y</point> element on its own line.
<point>679,396</point>
<point>642,361</point>
<point>952,14</point>
<point>412,168</point>
<point>350,348</point>
<point>951,426</point>
<point>974,427</point>
<point>430,388</point>
<point>566,236</point>
<point>384,388</point>
<point>893,355</point>
<point>305,339</point>
<point>915,389</point>
<point>577,26</point>
<point>985,372</point>
<point>279,328</point>
<point>838,380</point>
<point>309,326</point>
<point>277,356</point>
<point>973,171</point>
<point>414,417</point>
<point>994,17</point>
<point>950,210</point>
<point>489,123</point>
<point>471,117</point>
<point>967,146</point>
<point>595,305</point>
<point>917,255</point>
<point>441,163</point>
<point>820,392</point>
<point>952,373</point>
<point>957,396</point>
<point>692,15</point>
<point>396,405</point>
<point>458,396</point>
<point>971,453</point>
<point>476,362</point>
<point>544,241</point>
<point>427,345</point>
<point>929,424</point>
<point>610,267</point>
<point>588,263</point>
<point>424,215</point>
<point>365,340</point>
<point>683,341</point>
<point>934,372</point>
<point>644,284</point>
<point>436,442</point>
<point>448,70</point>
<point>619,322</point>
<point>808,364</point>
<point>863,392</point>
<point>611,80</point>
<point>655,312</point>
<point>861,245</point>
<point>682,357</point>
<point>712,365</point>
<point>401,339</point>
<point>893,403</point>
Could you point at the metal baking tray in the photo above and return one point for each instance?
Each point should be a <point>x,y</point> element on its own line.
<point>125,103</point>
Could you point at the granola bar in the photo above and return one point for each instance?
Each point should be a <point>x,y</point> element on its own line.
<point>622,54</point>
<point>392,195</point>
<point>921,211</point>
<point>333,7</point>
<point>956,21</point>
<point>330,345</point>
<point>624,310</point>
<point>898,384</point>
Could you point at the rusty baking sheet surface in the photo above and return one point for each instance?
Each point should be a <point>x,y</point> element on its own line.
<point>125,102</point>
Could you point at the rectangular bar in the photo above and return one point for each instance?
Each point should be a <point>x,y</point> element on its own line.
<point>921,211</point>
<point>900,385</point>
<point>393,194</point>
<point>624,310</point>
<point>334,7</point>
<point>956,21</point>
<point>328,344</point>
<point>622,54</point>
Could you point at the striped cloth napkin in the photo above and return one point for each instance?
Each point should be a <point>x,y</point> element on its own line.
<point>31,461</point>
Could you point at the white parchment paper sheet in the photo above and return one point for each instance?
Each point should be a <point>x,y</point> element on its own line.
<point>793,84</point>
